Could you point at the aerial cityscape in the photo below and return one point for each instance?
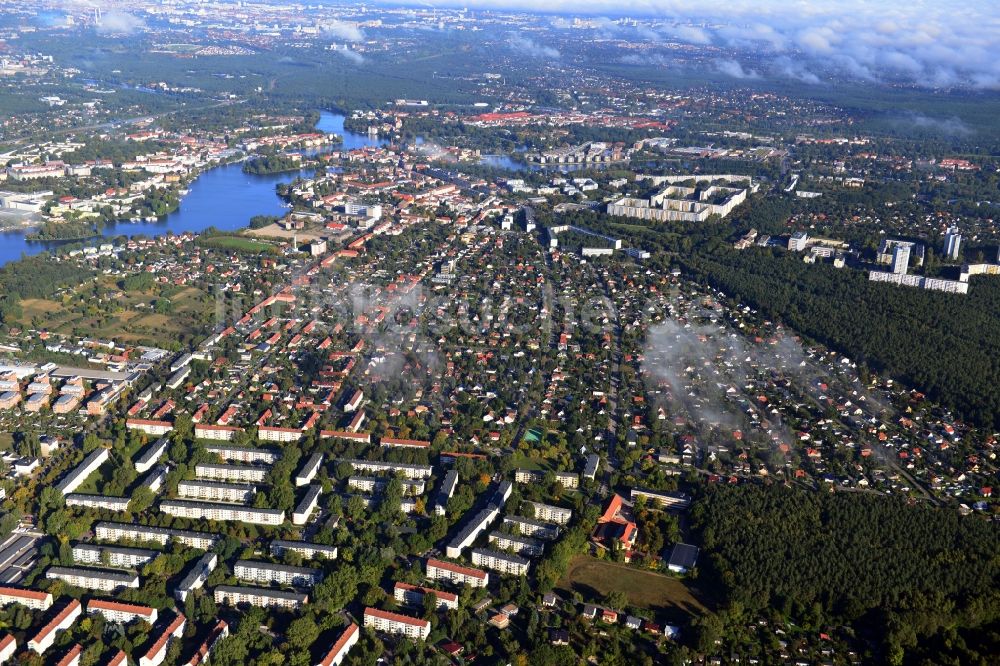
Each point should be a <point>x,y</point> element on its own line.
<point>499,332</point>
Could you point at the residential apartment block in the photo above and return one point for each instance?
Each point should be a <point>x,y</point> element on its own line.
<point>441,570</point>
<point>196,576</point>
<point>112,556</point>
<point>106,531</point>
<point>115,611</point>
<point>63,620</point>
<point>397,623</point>
<point>241,473</point>
<point>217,491</point>
<point>304,548</point>
<point>88,466</point>
<point>269,573</point>
<point>35,599</point>
<point>521,545</point>
<point>501,561</point>
<point>549,513</point>
<point>376,467</point>
<point>413,595</point>
<point>222,512</point>
<point>106,580</point>
<point>340,648</point>
<point>256,596</point>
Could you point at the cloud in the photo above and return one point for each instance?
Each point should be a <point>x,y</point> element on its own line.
<point>952,126</point>
<point>933,43</point>
<point>352,56</point>
<point>734,69</point>
<point>529,47</point>
<point>349,32</point>
<point>116,22</point>
<point>791,69</point>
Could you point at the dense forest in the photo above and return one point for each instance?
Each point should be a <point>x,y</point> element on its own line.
<point>947,345</point>
<point>34,277</point>
<point>921,580</point>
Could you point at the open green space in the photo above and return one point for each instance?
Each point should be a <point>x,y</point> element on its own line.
<point>594,579</point>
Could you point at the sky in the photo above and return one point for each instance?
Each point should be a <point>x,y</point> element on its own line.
<point>937,44</point>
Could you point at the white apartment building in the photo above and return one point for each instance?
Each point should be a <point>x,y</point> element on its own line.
<point>201,655</point>
<point>115,611</point>
<point>377,467</point>
<point>309,470</point>
<point>245,454</point>
<point>532,528</point>
<point>375,484</point>
<point>35,599</point>
<point>308,504</point>
<point>441,570</point>
<point>549,513</point>
<point>256,596</point>
<point>148,457</point>
<point>304,548</point>
<point>222,512</point>
<point>340,648</point>
<point>266,434</point>
<point>241,473</point>
<point>157,652</point>
<point>662,499</point>
<point>447,489</point>
<point>106,531</point>
<point>269,573</point>
<point>471,530</point>
<point>529,476</point>
<point>154,428</point>
<point>75,479</point>
<point>197,576</point>
<point>498,560</point>
<point>106,580</point>
<point>413,595</point>
<point>521,545</point>
<point>397,623</point>
<point>217,491</point>
<point>105,502</point>
<point>216,433</point>
<point>63,620</point>
<point>113,556</point>
<point>8,646</point>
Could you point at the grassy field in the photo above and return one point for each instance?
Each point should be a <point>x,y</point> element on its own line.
<point>595,578</point>
<point>236,244</point>
<point>129,319</point>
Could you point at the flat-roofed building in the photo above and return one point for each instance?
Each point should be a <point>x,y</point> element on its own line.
<point>216,491</point>
<point>447,489</point>
<point>347,639</point>
<point>222,512</point>
<point>196,576</point>
<point>391,442</point>
<point>377,467</point>
<point>267,434</point>
<point>156,478</point>
<point>35,599</point>
<point>531,527</point>
<point>377,484</point>
<point>498,560</point>
<point>549,513</point>
<point>203,651</point>
<point>662,499</point>
<point>441,570</point>
<point>104,502</point>
<point>123,613</point>
<point>397,623</point>
<point>107,531</point>
<point>245,454</point>
<point>218,433</point>
<point>257,596</point>
<point>88,466</point>
<point>534,476</point>
<point>413,595</point>
<point>309,470</point>
<point>267,572</point>
<point>304,548</point>
<point>157,652</point>
<point>148,456</point>
<point>242,473</point>
<point>590,467</point>
<point>62,621</point>
<point>106,580</point>
<point>308,504</point>
<point>113,556</point>
<point>524,546</point>
<point>471,530</point>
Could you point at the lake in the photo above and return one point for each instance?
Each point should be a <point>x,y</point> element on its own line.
<point>224,198</point>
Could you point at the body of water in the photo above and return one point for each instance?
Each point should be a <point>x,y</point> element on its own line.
<point>224,198</point>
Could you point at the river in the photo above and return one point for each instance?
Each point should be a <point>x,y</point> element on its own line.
<point>224,198</point>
